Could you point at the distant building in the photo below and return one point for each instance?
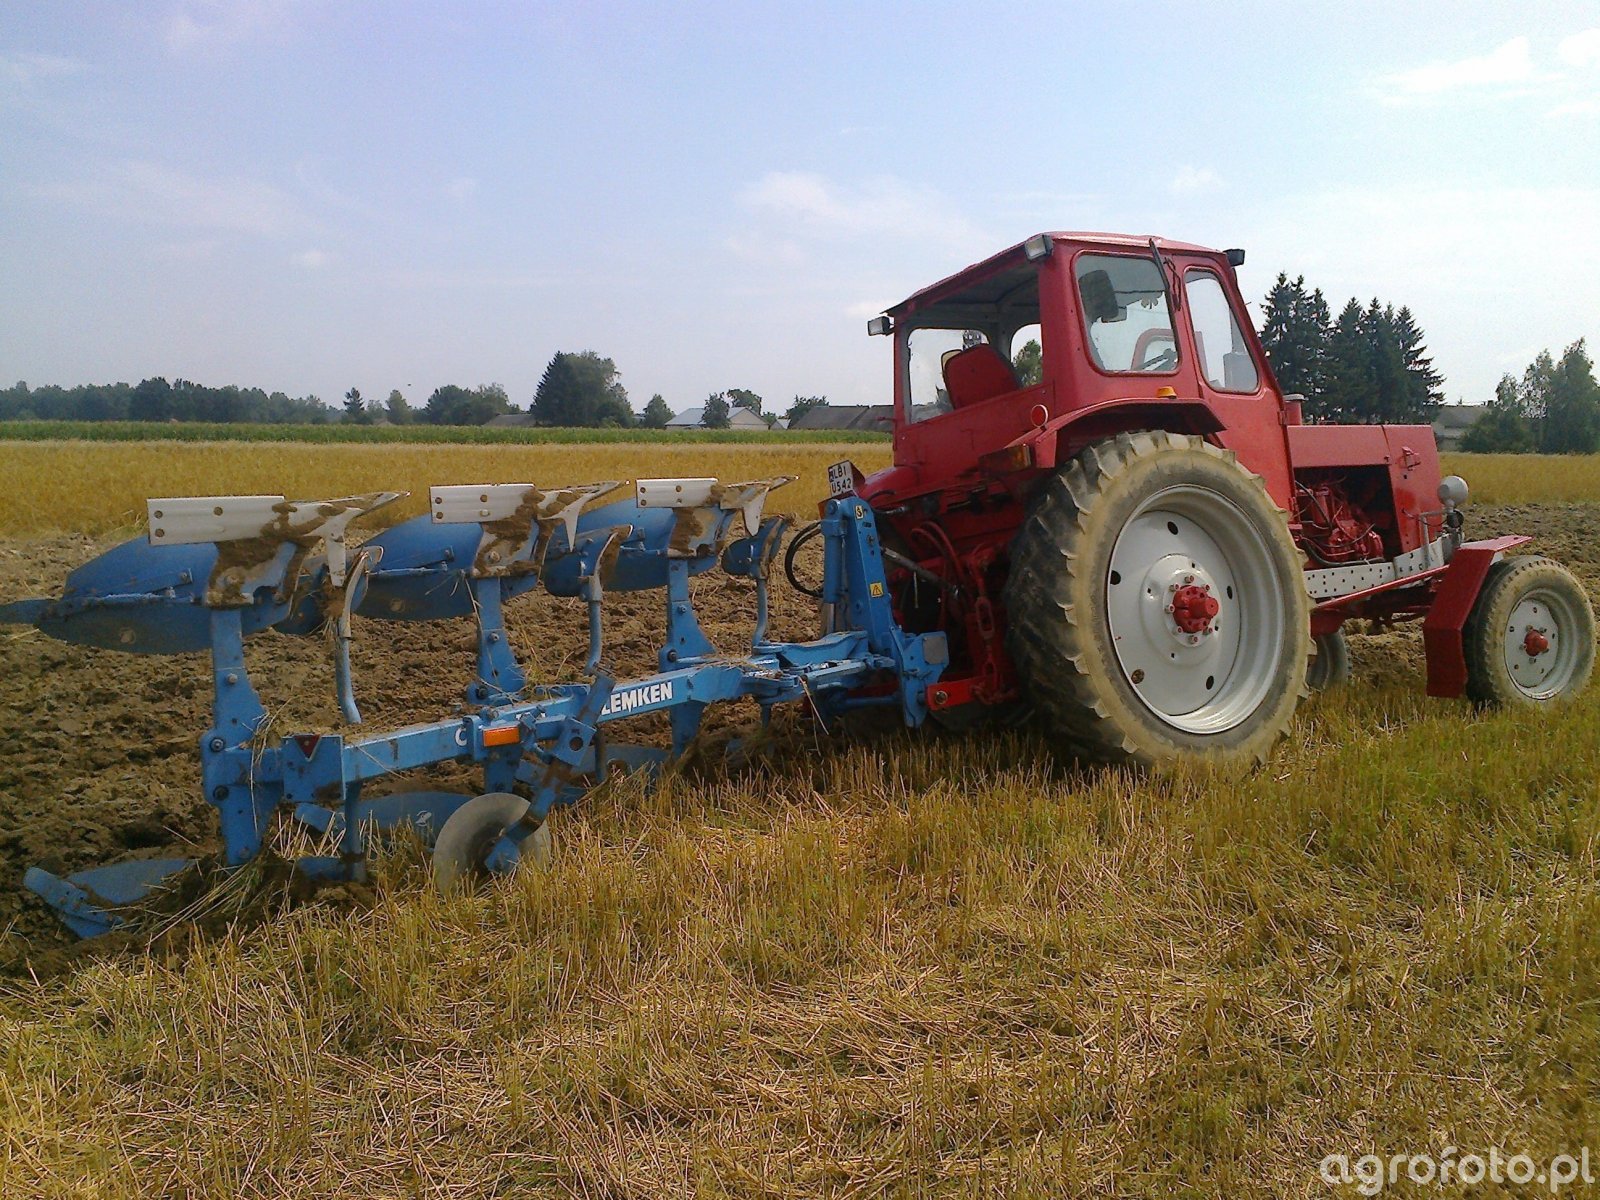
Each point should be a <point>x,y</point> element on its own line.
<point>738,418</point>
<point>865,418</point>
<point>1451,422</point>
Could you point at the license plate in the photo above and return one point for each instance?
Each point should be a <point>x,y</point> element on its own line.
<point>841,478</point>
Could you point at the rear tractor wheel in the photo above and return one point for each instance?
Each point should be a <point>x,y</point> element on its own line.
<point>1530,636</point>
<point>1157,606</point>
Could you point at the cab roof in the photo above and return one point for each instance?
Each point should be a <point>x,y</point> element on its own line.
<point>1013,255</point>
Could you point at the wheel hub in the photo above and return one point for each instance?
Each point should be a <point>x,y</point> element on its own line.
<point>1535,653</point>
<point>1194,607</point>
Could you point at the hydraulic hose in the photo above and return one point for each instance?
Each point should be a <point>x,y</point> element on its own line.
<point>799,539</point>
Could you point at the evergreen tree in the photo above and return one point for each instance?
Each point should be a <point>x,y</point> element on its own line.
<point>1350,378</point>
<point>656,413</point>
<point>1424,385</point>
<point>559,399</point>
<point>355,409</point>
<point>398,410</point>
<point>1387,368</point>
<point>1295,332</point>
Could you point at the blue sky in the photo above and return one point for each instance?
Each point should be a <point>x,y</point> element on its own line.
<point>310,195</point>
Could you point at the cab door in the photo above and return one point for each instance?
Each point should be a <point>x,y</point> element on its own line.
<point>1229,370</point>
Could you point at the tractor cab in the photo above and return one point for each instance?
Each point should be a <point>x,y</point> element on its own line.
<point>1019,360</point>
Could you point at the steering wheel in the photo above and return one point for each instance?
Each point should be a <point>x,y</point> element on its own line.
<point>1159,361</point>
<point>1144,360</point>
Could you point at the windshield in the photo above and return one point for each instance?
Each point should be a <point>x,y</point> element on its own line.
<point>1125,314</point>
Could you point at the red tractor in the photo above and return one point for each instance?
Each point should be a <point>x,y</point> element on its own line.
<point>1135,534</point>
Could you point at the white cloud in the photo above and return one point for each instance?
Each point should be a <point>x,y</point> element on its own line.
<point>209,25</point>
<point>880,207</point>
<point>1581,49</point>
<point>1195,181</point>
<point>312,260</point>
<point>151,192</point>
<point>1508,64</point>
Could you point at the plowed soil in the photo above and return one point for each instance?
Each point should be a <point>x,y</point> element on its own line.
<point>98,750</point>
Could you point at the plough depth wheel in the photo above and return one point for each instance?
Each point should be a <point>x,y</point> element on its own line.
<point>462,851</point>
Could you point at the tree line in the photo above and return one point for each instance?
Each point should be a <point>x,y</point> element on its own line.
<point>581,389</point>
<point>1368,366</point>
<point>1553,409</point>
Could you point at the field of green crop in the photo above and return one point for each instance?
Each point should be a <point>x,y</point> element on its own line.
<point>864,963</point>
<point>474,435</point>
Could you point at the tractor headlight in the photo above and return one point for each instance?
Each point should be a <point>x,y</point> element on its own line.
<point>1453,491</point>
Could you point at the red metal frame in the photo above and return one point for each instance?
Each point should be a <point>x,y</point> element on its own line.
<point>1452,604</point>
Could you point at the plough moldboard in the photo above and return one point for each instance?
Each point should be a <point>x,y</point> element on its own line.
<point>211,571</point>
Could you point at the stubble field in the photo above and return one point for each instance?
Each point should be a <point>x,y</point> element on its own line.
<point>862,964</point>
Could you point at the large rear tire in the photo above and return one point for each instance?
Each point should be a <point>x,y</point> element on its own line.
<point>1156,605</point>
<point>1530,637</point>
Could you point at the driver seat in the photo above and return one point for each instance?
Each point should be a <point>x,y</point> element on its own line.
<point>976,374</point>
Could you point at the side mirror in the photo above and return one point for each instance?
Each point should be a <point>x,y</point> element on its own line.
<point>1100,298</point>
<point>1235,257</point>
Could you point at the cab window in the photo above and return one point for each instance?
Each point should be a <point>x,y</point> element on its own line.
<point>1125,314</point>
<point>1218,341</point>
<point>974,346</point>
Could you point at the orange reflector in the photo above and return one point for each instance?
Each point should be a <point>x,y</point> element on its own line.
<point>505,735</point>
<point>1167,393</point>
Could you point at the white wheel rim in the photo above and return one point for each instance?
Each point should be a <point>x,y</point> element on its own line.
<point>1206,681</point>
<point>1540,653</point>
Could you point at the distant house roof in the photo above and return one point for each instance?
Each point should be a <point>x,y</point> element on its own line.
<point>738,418</point>
<point>868,418</point>
<point>516,420</point>
<point>1451,422</point>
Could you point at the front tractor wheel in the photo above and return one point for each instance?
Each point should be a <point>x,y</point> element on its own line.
<point>1530,636</point>
<point>1157,606</point>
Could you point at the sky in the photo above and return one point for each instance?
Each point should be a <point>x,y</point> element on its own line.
<point>307,195</point>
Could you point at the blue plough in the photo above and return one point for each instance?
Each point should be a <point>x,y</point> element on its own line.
<point>214,570</point>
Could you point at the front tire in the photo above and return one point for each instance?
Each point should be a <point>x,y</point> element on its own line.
<point>1530,637</point>
<point>1156,605</point>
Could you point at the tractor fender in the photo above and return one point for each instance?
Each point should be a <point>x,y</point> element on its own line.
<point>1062,436</point>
